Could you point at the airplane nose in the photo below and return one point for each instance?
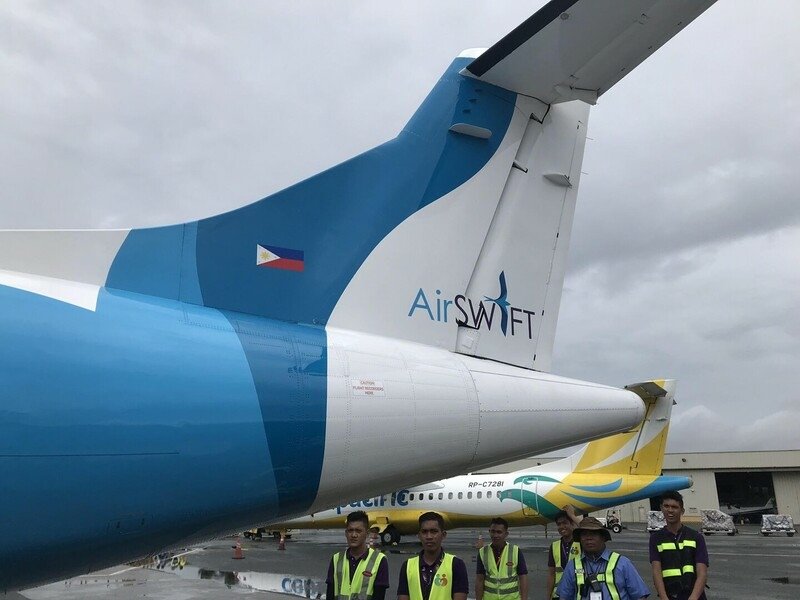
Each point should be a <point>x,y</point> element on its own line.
<point>561,411</point>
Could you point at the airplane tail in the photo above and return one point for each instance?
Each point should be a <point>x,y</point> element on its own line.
<point>636,452</point>
<point>453,234</point>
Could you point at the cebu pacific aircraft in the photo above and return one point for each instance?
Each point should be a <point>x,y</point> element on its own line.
<point>162,386</point>
<point>607,472</point>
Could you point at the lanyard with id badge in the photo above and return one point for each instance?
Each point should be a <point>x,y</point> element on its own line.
<point>594,586</point>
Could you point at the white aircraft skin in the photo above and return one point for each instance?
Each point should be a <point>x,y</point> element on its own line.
<point>607,472</point>
<point>387,322</point>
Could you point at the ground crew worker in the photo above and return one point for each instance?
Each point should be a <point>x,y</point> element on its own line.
<point>562,550</point>
<point>502,573</point>
<point>358,573</point>
<point>433,574</point>
<point>598,573</point>
<point>678,555</point>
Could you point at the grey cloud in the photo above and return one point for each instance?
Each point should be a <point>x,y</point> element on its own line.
<point>700,428</point>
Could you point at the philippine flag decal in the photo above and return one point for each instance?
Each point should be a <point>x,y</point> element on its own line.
<point>275,257</point>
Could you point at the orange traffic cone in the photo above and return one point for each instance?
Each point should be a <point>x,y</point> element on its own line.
<point>282,542</point>
<point>237,550</point>
<point>479,541</point>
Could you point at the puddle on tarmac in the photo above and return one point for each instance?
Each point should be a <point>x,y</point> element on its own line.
<point>783,580</point>
<point>282,583</point>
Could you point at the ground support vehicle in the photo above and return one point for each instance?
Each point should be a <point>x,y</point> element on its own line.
<point>612,521</point>
<point>261,532</point>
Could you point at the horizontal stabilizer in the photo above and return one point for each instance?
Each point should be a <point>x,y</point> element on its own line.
<point>578,49</point>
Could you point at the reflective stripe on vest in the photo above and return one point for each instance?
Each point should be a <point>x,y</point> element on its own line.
<point>677,572</point>
<point>442,586</point>
<point>363,582</point>
<point>679,546</point>
<point>500,580</point>
<point>606,578</point>
<point>677,560</point>
<point>555,548</point>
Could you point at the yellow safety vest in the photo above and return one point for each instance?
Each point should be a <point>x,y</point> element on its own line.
<point>501,582</point>
<point>442,586</point>
<point>363,581</point>
<point>607,578</point>
<point>574,552</point>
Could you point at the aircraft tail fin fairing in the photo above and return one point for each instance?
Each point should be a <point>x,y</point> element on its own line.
<point>636,452</point>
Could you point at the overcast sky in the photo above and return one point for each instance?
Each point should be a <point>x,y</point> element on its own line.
<point>685,257</point>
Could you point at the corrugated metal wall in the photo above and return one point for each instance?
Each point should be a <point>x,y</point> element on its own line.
<point>787,493</point>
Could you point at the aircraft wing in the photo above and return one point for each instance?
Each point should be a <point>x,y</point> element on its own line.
<point>578,49</point>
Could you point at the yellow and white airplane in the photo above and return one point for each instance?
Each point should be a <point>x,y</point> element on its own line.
<point>604,473</point>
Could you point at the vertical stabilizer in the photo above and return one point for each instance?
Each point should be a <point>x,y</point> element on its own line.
<point>519,273</point>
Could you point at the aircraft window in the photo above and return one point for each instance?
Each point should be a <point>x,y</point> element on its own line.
<point>410,497</point>
<point>488,494</point>
<point>480,494</point>
<point>450,496</point>
<point>460,495</point>
<point>469,495</point>
<point>430,496</point>
<point>441,495</point>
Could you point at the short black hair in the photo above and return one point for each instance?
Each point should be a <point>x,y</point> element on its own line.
<point>358,516</point>
<point>562,514</point>
<point>431,516</point>
<point>499,521</point>
<point>672,495</point>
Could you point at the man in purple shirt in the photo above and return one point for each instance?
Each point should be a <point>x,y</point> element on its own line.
<point>678,555</point>
<point>433,574</point>
<point>562,550</point>
<point>501,558</point>
<point>352,570</point>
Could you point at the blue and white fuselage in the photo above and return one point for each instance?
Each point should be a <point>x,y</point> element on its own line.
<point>163,386</point>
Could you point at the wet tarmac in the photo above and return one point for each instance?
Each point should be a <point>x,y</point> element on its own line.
<point>747,566</point>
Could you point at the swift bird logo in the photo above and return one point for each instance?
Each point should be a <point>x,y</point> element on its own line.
<point>502,303</point>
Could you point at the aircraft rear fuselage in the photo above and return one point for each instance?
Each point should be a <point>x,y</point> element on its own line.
<point>148,423</point>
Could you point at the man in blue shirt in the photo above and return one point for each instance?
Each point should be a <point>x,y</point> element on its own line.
<point>599,574</point>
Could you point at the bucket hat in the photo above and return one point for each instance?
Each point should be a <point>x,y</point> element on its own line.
<point>590,524</point>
